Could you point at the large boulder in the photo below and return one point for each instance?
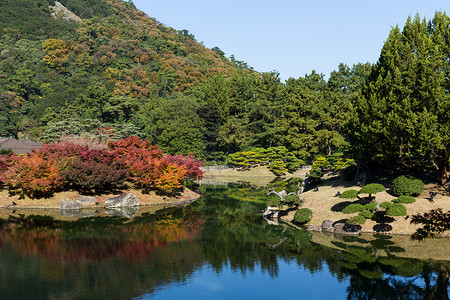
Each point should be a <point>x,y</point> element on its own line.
<point>327,225</point>
<point>70,205</point>
<point>122,201</point>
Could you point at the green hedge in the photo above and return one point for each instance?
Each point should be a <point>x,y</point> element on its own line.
<point>365,214</point>
<point>396,209</point>
<point>386,205</point>
<point>370,206</point>
<point>352,208</point>
<point>404,199</point>
<point>303,215</point>
<point>357,220</point>
<point>349,194</point>
<point>407,185</point>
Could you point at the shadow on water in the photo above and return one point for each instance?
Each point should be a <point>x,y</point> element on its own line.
<point>80,258</point>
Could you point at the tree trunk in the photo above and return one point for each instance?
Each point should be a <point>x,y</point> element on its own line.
<point>444,167</point>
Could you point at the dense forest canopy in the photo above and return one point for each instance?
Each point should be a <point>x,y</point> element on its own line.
<point>123,70</point>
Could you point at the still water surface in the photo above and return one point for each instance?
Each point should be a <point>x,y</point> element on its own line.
<point>217,248</point>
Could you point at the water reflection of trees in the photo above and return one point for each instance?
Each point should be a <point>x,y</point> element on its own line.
<point>119,258</point>
<point>245,241</point>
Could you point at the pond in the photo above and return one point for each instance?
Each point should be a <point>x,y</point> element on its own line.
<point>217,248</point>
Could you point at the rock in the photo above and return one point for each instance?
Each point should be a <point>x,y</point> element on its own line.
<point>124,212</point>
<point>339,228</point>
<point>70,205</point>
<point>327,225</point>
<point>87,199</point>
<point>122,201</point>
<point>314,228</point>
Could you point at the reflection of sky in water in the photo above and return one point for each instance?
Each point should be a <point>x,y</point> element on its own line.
<point>292,282</point>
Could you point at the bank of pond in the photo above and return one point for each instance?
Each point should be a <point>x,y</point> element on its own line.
<point>217,247</point>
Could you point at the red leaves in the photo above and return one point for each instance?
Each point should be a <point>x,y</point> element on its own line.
<point>34,176</point>
<point>70,166</point>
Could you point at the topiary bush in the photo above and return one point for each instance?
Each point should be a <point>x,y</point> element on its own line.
<point>349,194</point>
<point>352,208</point>
<point>372,188</point>
<point>386,205</point>
<point>396,209</point>
<point>365,214</point>
<point>370,206</point>
<point>404,199</point>
<point>407,185</point>
<point>303,215</point>
<point>357,220</point>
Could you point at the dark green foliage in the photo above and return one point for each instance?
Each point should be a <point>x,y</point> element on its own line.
<point>370,206</point>
<point>349,194</point>
<point>366,214</point>
<point>386,204</point>
<point>407,185</point>
<point>396,209</point>
<point>372,188</point>
<point>349,173</point>
<point>357,220</point>
<point>404,199</point>
<point>402,112</point>
<point>303,215</point>
<point>352,208</point>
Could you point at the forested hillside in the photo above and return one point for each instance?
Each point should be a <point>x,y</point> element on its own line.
<point>119,72</point>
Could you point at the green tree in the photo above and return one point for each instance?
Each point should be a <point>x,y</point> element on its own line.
<point>402,112</point>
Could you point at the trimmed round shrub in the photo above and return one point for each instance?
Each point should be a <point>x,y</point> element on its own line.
<point>407,185</point>
<point>349,194</point>
<point>386,205</point>
<point>396,209</point>
<point>357,220</point>
<point>370,206</point>
<point>404,199</point>
<point>365,214</point>
<point>352,208</point>
<point>372,188</point>
<point>303,215</point>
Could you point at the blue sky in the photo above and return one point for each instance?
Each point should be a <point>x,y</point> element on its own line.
<point>288,36</point>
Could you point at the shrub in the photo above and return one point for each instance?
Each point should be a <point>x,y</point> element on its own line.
<point>407,185</point>
<point>34,176</point>
<point>366,214</point>
<point>357,220</point>
<point>193,167</point>
<point>349,194</point>
<point>170,177</point>
<point>396,209</point>
<point>372,188</point>
<point>404,199</point>
<point>303,215</point>
<point>278,167</point>
<point>386,205</point>
<point>352,208</point>
<point>370,206</point>
<point>96,171</point>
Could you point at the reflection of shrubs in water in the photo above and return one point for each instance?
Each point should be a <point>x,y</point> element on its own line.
<point>371,274</point>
